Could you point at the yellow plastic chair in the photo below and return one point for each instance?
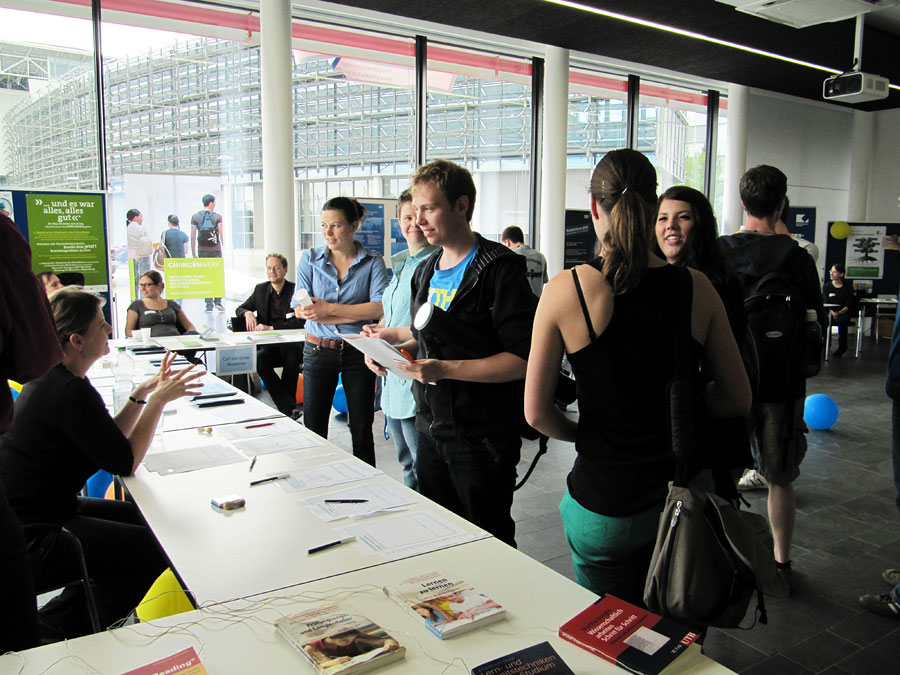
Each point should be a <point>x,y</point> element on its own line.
<point>165,598</point>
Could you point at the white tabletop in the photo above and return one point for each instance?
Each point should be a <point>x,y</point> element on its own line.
<point>239,637</point>
<point>263,546</point>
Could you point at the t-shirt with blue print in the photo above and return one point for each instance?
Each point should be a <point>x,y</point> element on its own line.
<point>445,283</point>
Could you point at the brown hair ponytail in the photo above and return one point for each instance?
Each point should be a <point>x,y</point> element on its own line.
<point>624,186</point>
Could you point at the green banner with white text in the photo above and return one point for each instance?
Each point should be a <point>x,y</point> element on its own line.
<point>66,234</point>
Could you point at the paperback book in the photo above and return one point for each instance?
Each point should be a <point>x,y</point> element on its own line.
<point>635,639</point>
<point>185,662</point>
<point>335,638</point>
<point>446,605</point>
<point>540,658</point>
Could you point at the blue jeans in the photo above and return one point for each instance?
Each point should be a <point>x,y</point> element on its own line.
<point>141,266</point>
<point>210,254</point>
<point>320,374</point>
<point>474,477</point>
<point>610,554</point>
<point>406,440</point>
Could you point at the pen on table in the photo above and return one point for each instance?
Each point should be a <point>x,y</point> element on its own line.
<point>257,426</point>
<point>280,476</point>
<point>252,464</point>
<point>331,544</point>
<point>206,396</point>
<point>220,402</point>
<point>345,501</point>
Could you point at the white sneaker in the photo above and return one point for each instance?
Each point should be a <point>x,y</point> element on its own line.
<point>752,480</point>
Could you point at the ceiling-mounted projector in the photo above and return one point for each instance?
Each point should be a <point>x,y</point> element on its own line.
<point>855,87</point>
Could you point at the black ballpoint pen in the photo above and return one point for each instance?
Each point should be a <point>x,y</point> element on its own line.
<point>345,501</point>
<point>280,476</point>
<point>331,544</point>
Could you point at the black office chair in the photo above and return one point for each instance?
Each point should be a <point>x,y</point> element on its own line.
<point>57,560</point>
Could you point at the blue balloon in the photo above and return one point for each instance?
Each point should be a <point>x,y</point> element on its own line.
<point>820,411</point>
<point>340,399</point>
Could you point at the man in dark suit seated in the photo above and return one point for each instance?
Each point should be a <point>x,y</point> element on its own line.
<point>269,308</point>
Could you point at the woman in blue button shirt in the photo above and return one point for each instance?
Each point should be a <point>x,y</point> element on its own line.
<point>345,282</point>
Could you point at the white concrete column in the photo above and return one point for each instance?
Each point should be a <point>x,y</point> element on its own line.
<point>861,151</point>
<point>735,158</point>
<point>277,129</point>
<point>553,158</point>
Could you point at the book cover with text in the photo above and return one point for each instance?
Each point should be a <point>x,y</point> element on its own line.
<point>635,639</point>
<point>334,638</point>
<point>446,605</point>
<point>540,658</point>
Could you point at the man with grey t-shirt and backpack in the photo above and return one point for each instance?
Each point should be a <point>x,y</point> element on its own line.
<point>206,239</point>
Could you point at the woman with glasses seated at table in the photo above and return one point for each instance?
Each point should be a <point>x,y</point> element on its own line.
<point>153,311</point>
<point>345,282</point>
<point>61,435</point>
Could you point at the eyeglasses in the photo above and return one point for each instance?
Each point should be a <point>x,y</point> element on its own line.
<point>146,285</point>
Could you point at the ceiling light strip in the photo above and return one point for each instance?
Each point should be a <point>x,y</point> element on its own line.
<point>691,34</point>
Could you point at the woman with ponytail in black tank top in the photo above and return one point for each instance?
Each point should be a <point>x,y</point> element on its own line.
<point>617,319</point>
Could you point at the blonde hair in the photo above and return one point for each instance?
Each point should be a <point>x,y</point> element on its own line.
<point>623,185</point>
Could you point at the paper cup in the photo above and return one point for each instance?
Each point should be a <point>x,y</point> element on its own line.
<point>145,335</point>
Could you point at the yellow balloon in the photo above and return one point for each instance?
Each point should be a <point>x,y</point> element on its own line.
<point>840,229</point>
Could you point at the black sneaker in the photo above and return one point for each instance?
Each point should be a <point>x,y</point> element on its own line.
<point>881,604</point>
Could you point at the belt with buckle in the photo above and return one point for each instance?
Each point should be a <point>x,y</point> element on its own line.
<point>325,343</point>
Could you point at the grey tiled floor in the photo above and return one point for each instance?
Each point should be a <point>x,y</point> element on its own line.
<point>847,531</point>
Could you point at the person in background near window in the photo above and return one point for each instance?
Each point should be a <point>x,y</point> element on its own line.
<point>837,292</point>
<point>62,434</point>
<point>28,349</point>
<point>207,239</point>
<point>618,319</point>
<point>269,308</point>
<point>50,281</point>
<point>140,246</point>
<point>535,262</point>
<point>153,311</point>
<point>174,239</point>
<point>397,399</point>
<point>345,282</point>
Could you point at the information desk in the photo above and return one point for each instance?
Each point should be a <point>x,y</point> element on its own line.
<point>238,637</point>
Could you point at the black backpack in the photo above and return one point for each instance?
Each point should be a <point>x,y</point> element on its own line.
<point>208,234</point>
<point>779,351</point>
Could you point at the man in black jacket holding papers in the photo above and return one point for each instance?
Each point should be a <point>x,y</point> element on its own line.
<point>269,308</point>
<point>471,356</point>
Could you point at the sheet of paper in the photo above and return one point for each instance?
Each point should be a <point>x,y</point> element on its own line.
<point>191,459</point>
<point>380,351</point>
<point>378,498</point>
<point>326,475</point>
<point>296,440</point>
<point>407,535</point>
<point>274,427</point>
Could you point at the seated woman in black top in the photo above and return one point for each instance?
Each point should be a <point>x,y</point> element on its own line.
<point>619,318</point>
<point>161,316</point>
<point>836,292</point>
<point>62,434</point>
